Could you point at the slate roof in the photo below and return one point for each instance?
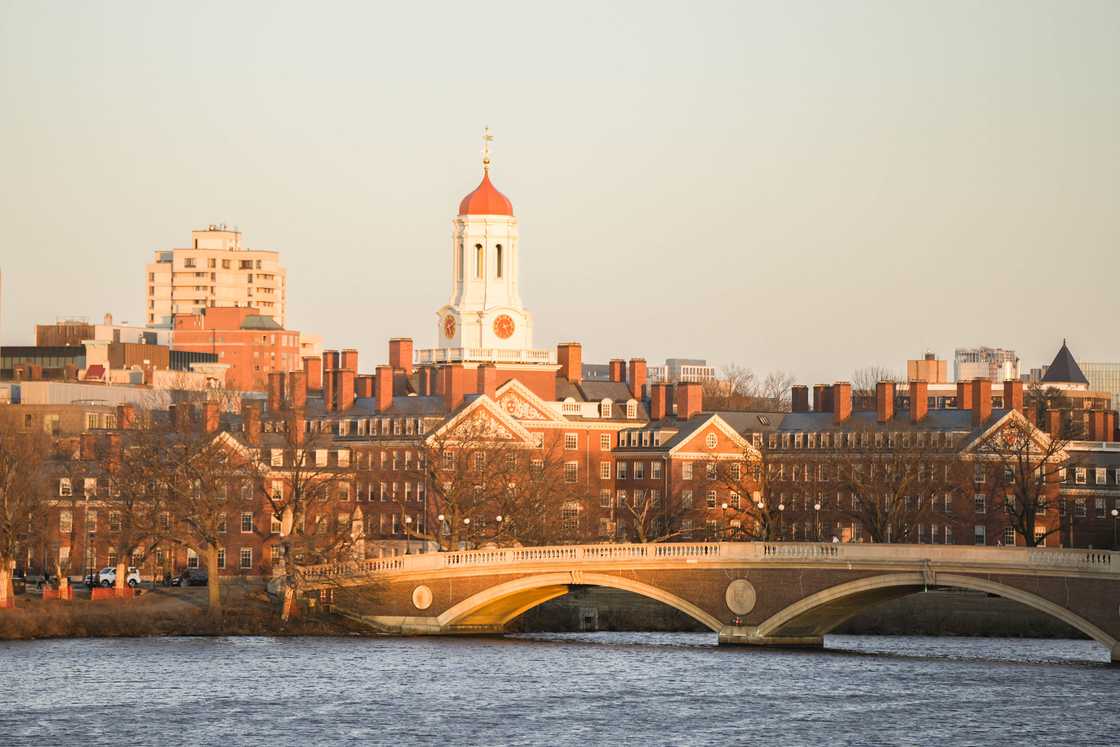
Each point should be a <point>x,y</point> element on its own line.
<point>254,321</point>
<point>1064,369</point>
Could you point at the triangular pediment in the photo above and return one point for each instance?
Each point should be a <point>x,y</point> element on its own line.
<point>996,438</point>
<point>482,419</point>
<point>696,442</point>
<point>519,402</point>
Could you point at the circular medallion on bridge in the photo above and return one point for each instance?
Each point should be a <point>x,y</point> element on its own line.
<point>421,597</point>
<point>740,596</point>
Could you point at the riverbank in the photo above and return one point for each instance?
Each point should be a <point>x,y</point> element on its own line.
<point>247,610</point>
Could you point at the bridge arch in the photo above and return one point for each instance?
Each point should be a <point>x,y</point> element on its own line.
<point>502,603</point>
<point>820,613</point>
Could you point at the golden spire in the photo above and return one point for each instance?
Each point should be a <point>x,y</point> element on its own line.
<point>487,138</point>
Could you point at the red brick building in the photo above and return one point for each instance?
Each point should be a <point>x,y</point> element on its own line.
<point>253,345</point>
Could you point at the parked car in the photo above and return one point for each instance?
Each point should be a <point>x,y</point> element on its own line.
<point>108,577</point>
<point>191,577</point>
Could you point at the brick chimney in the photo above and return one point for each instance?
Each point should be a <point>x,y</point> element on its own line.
<point>637,377</point>
<point>841,401</point>
<point>570,357</point>
<point>423,385</point>
<point>330,383</point>
<point>1096,426</point>
<point>618,370</point>
<point>344,389</point>
<point>488,380</point>
<point>884,401</point>
<point>331,362</point>
<point>126,416</point>
<point>981,401</point>
<point>1110,425</point>
<point>964,395</point>
<point>275,391</point>
<point>349,360</point>
<point>453,385</point>
<point>690,400</point>
<point>297,428</point>
<point>1054,423</point>
<point>1013,395</point>
<point>919,400</point>
<point>383,388</point>
<point>400,354</point>
<point>799,398</point>
<point>297,389</point>
<point>821,398</point>
<point>313,368</point>
<point>363,385</point>
<point>659,407</point>
<point>211,417</point>
<point>252,414</point>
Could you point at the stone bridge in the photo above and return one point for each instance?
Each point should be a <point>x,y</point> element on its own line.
<point>755,593</point>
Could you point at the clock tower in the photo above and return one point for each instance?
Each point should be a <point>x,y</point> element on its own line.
<point>484,320</point>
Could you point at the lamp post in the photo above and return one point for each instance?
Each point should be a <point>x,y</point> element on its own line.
<point>467,533</point>
<point>817,508</point>
<point>761,508</point>
<point>408,534</point>
<point>727,532</point>
<point>1115,521</point>
<point>498,529</point>
<point>781,521</point>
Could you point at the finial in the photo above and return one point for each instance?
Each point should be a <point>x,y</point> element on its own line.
<point>487,138</point>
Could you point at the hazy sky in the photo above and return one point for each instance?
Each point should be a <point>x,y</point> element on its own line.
<point>806,186</point>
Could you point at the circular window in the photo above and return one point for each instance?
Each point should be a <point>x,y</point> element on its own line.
<point>711,440</point>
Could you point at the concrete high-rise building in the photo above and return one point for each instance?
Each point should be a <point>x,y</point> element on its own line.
<point>996,364</point>
<point>215,271</point>
<point>1104,377</point>
<point>928,369</point>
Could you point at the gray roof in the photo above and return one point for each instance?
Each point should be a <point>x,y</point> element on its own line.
<point>254,321</point>
<point>1064,369</point>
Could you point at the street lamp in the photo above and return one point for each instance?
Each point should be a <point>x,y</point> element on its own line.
<point>817,508</point>
<point>408,534</point>
<point>498,529</point>
<point>781,521</point>
<point>1115,521</point>
<point>727,532</point>
<point>466,533</point>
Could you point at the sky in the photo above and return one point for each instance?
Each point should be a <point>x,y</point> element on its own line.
<point>806,186</point>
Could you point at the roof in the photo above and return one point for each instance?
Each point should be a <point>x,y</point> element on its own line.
<point>485,200</point>
<point>254,321</point>
<point>1064,369</point>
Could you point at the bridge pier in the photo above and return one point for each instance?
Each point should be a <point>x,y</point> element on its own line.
<point>747,635</point>
<point>1116,654</point>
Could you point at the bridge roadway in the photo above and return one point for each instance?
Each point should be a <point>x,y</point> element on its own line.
<point>753,593</point>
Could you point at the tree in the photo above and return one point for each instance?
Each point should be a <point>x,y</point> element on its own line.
<point>755,479</point>
<point>1020,468</point>
<point>864,379</point>
<point>651,517</point>
<point>739,389</point>
<point>23,498</point>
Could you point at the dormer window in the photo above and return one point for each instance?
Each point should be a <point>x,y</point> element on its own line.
<point>632,409</point>
<point>605,408</point>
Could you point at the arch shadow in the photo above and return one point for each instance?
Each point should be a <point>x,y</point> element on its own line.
<point>500,604</point>
<point>820,613</point>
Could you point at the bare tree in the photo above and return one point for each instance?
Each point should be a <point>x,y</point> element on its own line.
<point>739,389</point>
<point>1020,469</point>
<point>864,379</point>
<point>23,498</point>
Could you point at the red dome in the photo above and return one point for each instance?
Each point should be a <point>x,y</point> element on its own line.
<point>485,200</point>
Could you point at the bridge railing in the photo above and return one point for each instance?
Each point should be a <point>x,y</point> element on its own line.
<point>728,552</point>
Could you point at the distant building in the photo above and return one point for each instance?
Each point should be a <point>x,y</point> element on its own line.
<point>251,343</point>
<point>996,364</point>
<point>75,331</point>
<point>677,370</point>
<point>1104,377</point>
<point>928,369</point>
<point>215,271</point>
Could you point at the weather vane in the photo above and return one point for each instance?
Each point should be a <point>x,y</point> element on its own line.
<point>487,138</point>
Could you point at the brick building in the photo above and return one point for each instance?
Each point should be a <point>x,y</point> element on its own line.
<point>251,344</point>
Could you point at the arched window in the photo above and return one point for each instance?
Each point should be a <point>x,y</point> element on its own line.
<point>478,260</point>
<point>459,264</point>
<point>499,259</point>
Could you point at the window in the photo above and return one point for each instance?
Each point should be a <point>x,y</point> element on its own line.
<point>604,470</point>
<point>686,499</point>
<point>645,439</point>
<point>246,559</point>
<point>64,487</point>
<point>1008,536</point>
<point>639,470</point>
<point>711,499</point>
<point>65,522</point>
<point>571,441</point>
<point>710,470</point>
<point>979,535</point>
<point>221,557</point>
<point>89,487</point>
<point>498,260</point>
<point>114,521</point>
<point>91,521</point>
<point>277,458</point>
<point>710,441</point>
<point>655,470</point>
<point>604,442</point>
<point>948,535</point>
<point>478,257</point>
<point>192,558</point>
<point>620,470</point>
<point>320,457</point>
<point>571,472</point>
<point>343,457</point>
<point>1101,476</point>
<point>246,522</point>
<point>277,552</point>
<point>605,498</point>
<point>621,497</point>
<point>221,524</point>
<point>686,471</point>
<point>980,503</point>
<point>1079,507</point>
<point>631,409</point>
<point>1080,475</point>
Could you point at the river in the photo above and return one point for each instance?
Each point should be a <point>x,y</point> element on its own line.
<point>546,689</point>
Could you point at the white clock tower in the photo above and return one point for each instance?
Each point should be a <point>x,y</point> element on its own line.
<point>484,321</point>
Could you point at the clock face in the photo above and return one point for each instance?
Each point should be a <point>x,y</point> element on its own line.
<point>503,326</point>
<point>449,326</point>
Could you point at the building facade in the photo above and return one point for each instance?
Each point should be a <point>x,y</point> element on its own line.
<point>252,344</point>
<point>215,271</point>
<point>995,364</point>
